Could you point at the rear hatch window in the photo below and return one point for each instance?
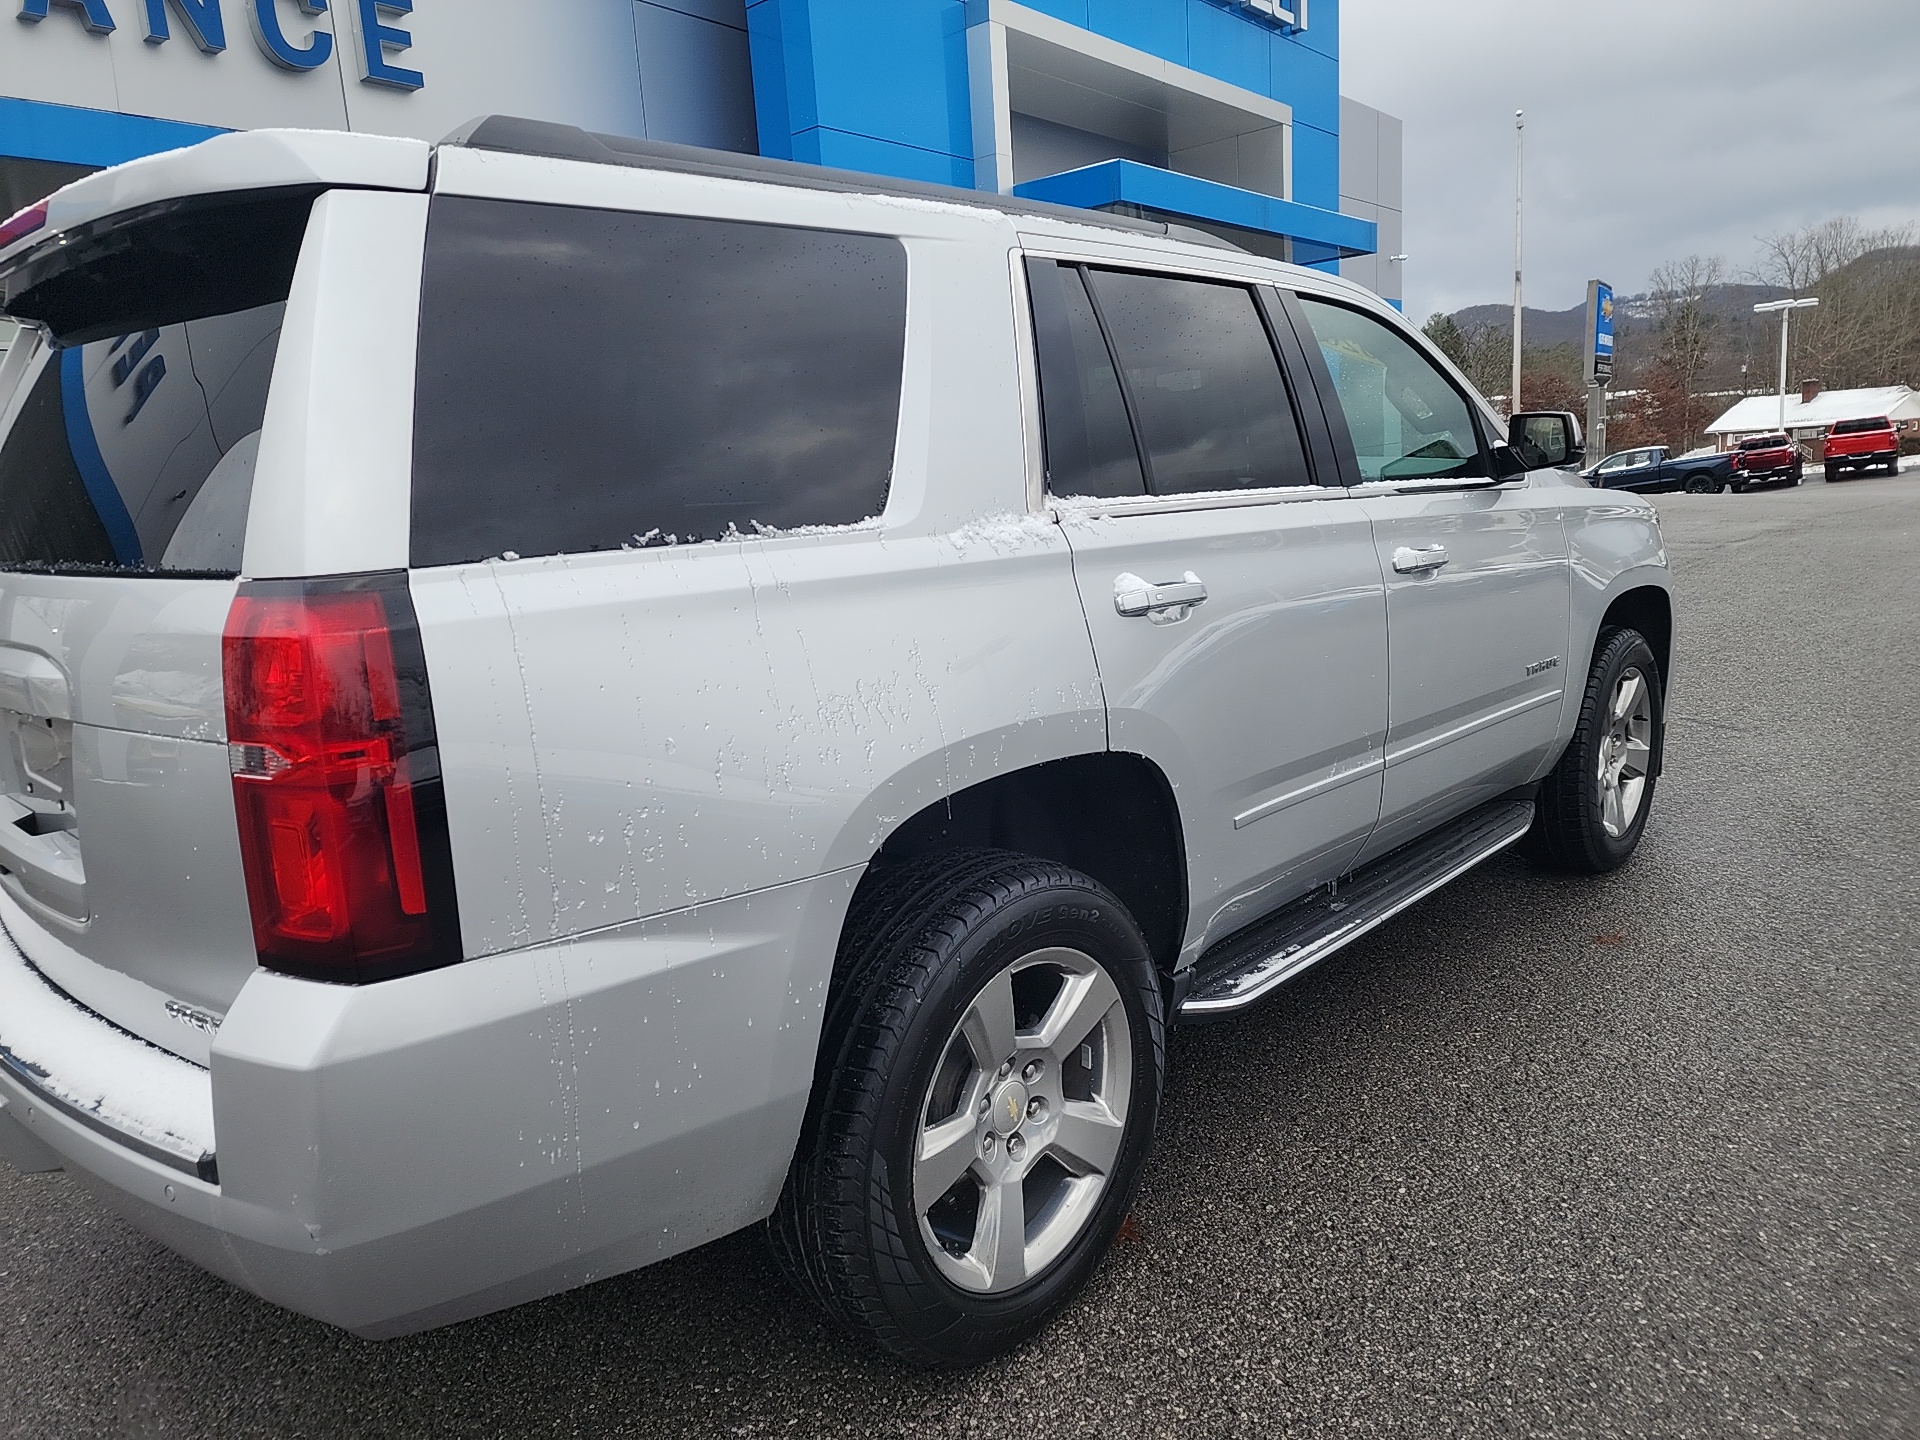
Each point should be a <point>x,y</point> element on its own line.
<point>136,418</point>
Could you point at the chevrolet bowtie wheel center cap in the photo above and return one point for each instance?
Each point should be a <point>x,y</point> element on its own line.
<point>1009,1107</point>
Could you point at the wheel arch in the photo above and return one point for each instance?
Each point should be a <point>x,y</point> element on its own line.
<point>1108,814</point>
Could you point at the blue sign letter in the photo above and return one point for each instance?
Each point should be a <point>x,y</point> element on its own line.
<point>93,13</point>
<point>273,40</point>
<point>202,17</point>
<point>374,40</point>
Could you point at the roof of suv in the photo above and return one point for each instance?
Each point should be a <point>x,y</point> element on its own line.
<point>515,136</point>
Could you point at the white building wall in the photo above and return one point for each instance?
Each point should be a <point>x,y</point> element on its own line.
<point>1370,189</point>
<point>664,69</point>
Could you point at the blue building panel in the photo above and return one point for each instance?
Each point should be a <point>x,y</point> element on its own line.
<point>1321,234</point>
<point>883,85</point>
<point>72,135</point>
<point>893,72</point>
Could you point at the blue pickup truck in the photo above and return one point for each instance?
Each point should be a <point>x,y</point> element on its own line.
<point>1652,469</point>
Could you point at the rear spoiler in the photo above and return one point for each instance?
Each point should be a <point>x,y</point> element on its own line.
<point>244,160</point>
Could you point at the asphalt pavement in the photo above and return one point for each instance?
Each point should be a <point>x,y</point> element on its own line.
<point>1623,1157</point>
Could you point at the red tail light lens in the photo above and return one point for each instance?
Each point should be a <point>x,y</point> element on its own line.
<point>336,779</point>
<point>19,226</point>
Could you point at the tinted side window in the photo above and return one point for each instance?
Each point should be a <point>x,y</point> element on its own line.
<point>1406,419</point>
<point>590,379</point>
<point>1090,449</point>
<point>1207,392</point>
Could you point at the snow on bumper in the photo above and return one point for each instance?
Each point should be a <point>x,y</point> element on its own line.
<point>64,1057</point>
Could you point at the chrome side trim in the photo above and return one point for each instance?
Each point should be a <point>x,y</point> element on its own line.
<point>1076,508</point>
<point>1420,747</point>
<point>1283,967</point>
<point>1371,766</point>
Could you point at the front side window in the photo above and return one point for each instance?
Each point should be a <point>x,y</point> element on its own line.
<point>590,379</point>
<point>1406,419</point>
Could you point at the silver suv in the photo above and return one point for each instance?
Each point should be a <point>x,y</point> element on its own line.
<point>563,697</point>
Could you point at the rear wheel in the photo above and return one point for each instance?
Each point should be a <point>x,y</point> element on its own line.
<point>1700,485</point>
<point>989,1085</point>
<point>1833,473</point>
<point>1593,807</point>
<point>1799,471</point>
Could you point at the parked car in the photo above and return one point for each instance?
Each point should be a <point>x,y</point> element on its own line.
<point>1862,445</point>
<point>1768,460</point>
<point>1653,469</point>
<point>779,741</point>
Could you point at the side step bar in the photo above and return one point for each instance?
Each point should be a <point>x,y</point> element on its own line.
<point>1250,965</point>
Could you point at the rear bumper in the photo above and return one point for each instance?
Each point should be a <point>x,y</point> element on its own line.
<point>397,1156</point>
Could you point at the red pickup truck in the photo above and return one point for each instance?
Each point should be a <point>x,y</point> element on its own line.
<point>1763,459</point>
<point>1862,445</point>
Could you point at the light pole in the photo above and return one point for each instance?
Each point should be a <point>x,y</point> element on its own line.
<point>1519,201</point>
<point>1786,309</point>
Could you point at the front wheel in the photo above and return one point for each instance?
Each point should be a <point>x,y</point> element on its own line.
<point>1593,807</point>
<point>1799,472</point>
<point>988,1089</point>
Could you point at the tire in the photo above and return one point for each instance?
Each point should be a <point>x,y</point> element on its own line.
<point>1799,471</point>
<point>1574,828</point>
<point>930,948</point>
<point>1699,485</point>
<point>1833,473</point>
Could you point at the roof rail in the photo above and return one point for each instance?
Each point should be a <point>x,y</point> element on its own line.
<point>516,136</point>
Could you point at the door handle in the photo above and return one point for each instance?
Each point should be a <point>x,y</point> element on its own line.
<point>1163,604</point>
<point>1408,560</point>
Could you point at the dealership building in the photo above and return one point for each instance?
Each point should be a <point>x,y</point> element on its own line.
<point>1219,114</point>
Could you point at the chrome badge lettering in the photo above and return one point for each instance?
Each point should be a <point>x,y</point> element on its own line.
<point>1540,667</point>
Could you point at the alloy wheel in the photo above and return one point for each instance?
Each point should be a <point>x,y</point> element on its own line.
<point>1626,754</point>
<point>1022,1123</point>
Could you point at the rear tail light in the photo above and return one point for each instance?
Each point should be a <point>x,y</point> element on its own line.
<point>336,779</point>
<point>33,218</point>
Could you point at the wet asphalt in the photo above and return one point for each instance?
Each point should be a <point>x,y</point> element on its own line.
<point>1628,1157</point>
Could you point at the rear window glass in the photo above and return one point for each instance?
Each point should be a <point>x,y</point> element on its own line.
<point>594,379</point>
<point>132,433</point>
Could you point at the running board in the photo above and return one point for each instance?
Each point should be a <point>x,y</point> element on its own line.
<point>1252,964</point>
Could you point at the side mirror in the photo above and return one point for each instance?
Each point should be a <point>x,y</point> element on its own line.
<point>1546,439</point>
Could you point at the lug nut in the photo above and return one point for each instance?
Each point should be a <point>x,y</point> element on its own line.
<point>1006,1069</point>
<point>986,1145</point>
<point>1036,1108</point>
<point>1016,1147</point>
<point>1032,1072</point>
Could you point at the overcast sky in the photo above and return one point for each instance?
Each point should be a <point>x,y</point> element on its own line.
<point>1655,129</point>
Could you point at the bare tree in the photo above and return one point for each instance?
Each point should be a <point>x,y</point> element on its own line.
<point>1687,353</point>
<point>1867,329</point>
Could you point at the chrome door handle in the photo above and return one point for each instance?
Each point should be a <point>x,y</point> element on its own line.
<point>1162,604</point>
<point>1410,561</point>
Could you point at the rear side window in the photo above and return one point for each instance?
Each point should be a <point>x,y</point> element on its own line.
<point>594,379</point>
<point>1209,402</point>
<point>131,448</point>
<point>1406,419</point>
<point>1090,448</point>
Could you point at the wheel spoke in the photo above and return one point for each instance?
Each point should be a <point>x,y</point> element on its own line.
<point>1639,758</point>
<point>1087,1138</point>
<point>1000,1235</point>
<point>946,1153</point>
<point>1625,696</point>
<point>1611,816</point>
<point>988,1025</point>
<point>1082,1003</point>
<point>1629,794</point>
